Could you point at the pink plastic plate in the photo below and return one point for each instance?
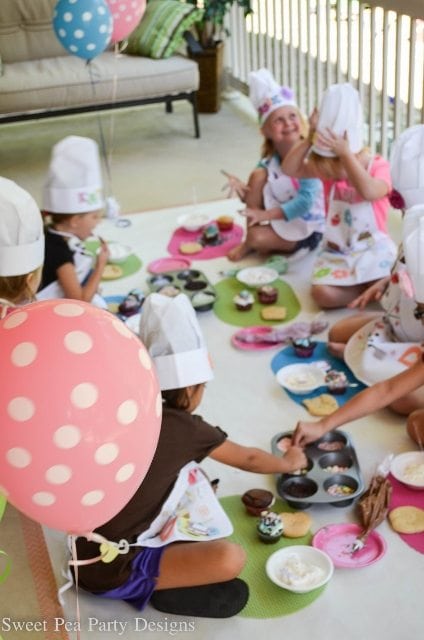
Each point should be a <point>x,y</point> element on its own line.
<point>337,540</point>
<point>168,264</point>
<point>253,346</point>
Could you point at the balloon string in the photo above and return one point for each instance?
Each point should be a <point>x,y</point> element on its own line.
<point>74,558</point>
<point>101,133</point>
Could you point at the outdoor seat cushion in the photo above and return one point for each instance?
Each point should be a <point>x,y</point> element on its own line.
<point>67,81</point>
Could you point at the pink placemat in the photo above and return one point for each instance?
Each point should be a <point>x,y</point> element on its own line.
<point>230,239</point>
<point>402,497</point>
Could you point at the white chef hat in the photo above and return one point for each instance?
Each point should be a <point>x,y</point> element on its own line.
<point>74,179</point>
<point>266,95</point>
<point>340,110</point>
<point>21,231</point>
<point>170,331</point>
<point>413,246</point>
<point>407,165</point>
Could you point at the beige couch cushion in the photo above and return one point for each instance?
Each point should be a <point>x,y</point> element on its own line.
<point>26,31</point>
<point>31,85</point>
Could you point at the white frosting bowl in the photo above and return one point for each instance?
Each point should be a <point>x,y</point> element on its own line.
<point>118,253</point>
<point>408,468</point>
<point>299,568</point>
<point>300,379</point>
<point>193,221</point>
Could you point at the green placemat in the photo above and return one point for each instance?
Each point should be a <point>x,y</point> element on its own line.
<point>131,265</point>
<point>226,311</point>
<point>266,600</point>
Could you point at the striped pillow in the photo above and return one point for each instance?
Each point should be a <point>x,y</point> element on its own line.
<point>160,32</point>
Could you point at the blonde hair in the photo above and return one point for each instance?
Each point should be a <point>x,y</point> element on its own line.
<point>16,288</point>
<point>267,149</point>
<point>329,168</point>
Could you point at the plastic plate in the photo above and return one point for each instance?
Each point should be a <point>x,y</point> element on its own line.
<point>337,541</point>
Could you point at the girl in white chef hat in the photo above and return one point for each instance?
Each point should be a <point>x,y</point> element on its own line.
<point>282,214</point>
<point>73,199</point>
<point>388,342</point>
<point>388,349</point>
<point>185,578</point>
<point>21,246</point>
<point>356,249</point>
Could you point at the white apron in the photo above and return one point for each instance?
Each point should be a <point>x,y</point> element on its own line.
<point>83,263</point>
<point>191,512</point>
<point>280,188</point>
<point>353,249</point>
<point>389,345</point>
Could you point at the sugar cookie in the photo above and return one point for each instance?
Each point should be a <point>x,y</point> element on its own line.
<point>407,519</point>
<point>190,247</point>
<point>322,405</point>
<point>112,271</point>
<point>295,525</point>
<point>274,312</point>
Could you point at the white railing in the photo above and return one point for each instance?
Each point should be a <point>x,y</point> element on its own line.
<point>378,46</point>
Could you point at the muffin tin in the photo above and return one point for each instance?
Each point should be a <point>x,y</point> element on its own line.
<point>332,463</point>
<point>192,282</point>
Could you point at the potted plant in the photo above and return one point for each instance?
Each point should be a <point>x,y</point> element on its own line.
<point>207,48</point>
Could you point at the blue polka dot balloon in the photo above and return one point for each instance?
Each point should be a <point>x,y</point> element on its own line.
<point>83,27</point>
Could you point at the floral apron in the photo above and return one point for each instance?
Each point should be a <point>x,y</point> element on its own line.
<point>280,188</point>
<point>392,343</point>
<point>83,263</point>
<point>353,249</point>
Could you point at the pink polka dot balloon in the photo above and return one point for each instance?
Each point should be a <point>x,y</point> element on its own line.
<point>80,412</point>
<point>126,14</point>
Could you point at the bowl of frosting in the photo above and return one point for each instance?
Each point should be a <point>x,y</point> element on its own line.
<point>300,378</point>
<point>408,468</point>
<point>299,568</point>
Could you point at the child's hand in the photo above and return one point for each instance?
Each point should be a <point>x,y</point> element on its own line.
<point>235,186</point>
<point>339,145</point>
<point>254,216</point>
<point>374,293</point>
<point>103,254</point>
<point>306,432</point>
<point>294,459</point>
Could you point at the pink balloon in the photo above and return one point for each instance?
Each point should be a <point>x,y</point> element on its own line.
<point>126,15</point>
<point>80,413</point>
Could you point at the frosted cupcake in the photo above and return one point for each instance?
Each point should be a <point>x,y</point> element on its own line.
<point>244,300</point>
<point>270,527</point>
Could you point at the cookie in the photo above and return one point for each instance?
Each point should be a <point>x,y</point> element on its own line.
<point>407,519</point>
<point>323,405</point>
<point>295,525</point>
<point>112,271</point>
<point>190,247</point>
<point>274,312</point>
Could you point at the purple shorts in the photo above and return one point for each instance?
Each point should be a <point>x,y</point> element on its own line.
<point>138,589</point>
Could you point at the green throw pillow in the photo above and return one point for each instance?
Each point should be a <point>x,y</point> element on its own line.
<point>160,31</point>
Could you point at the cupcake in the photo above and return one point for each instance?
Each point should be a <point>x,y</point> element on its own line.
<point>257,500</point>
<point>270,527</point>
<point>336,382</point>
<point>267,294</point>
<point>210,234</point>
<point>304,347</point>
<point>244,300</point>
<point>225,223</point>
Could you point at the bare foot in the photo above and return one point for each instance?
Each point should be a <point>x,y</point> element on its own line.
<point>336,349</point>
<point>240,251</point>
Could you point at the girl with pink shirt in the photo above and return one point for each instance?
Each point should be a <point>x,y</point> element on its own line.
<point>356,249</point>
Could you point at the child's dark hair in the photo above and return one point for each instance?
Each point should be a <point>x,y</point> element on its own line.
<point>178,398</point>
